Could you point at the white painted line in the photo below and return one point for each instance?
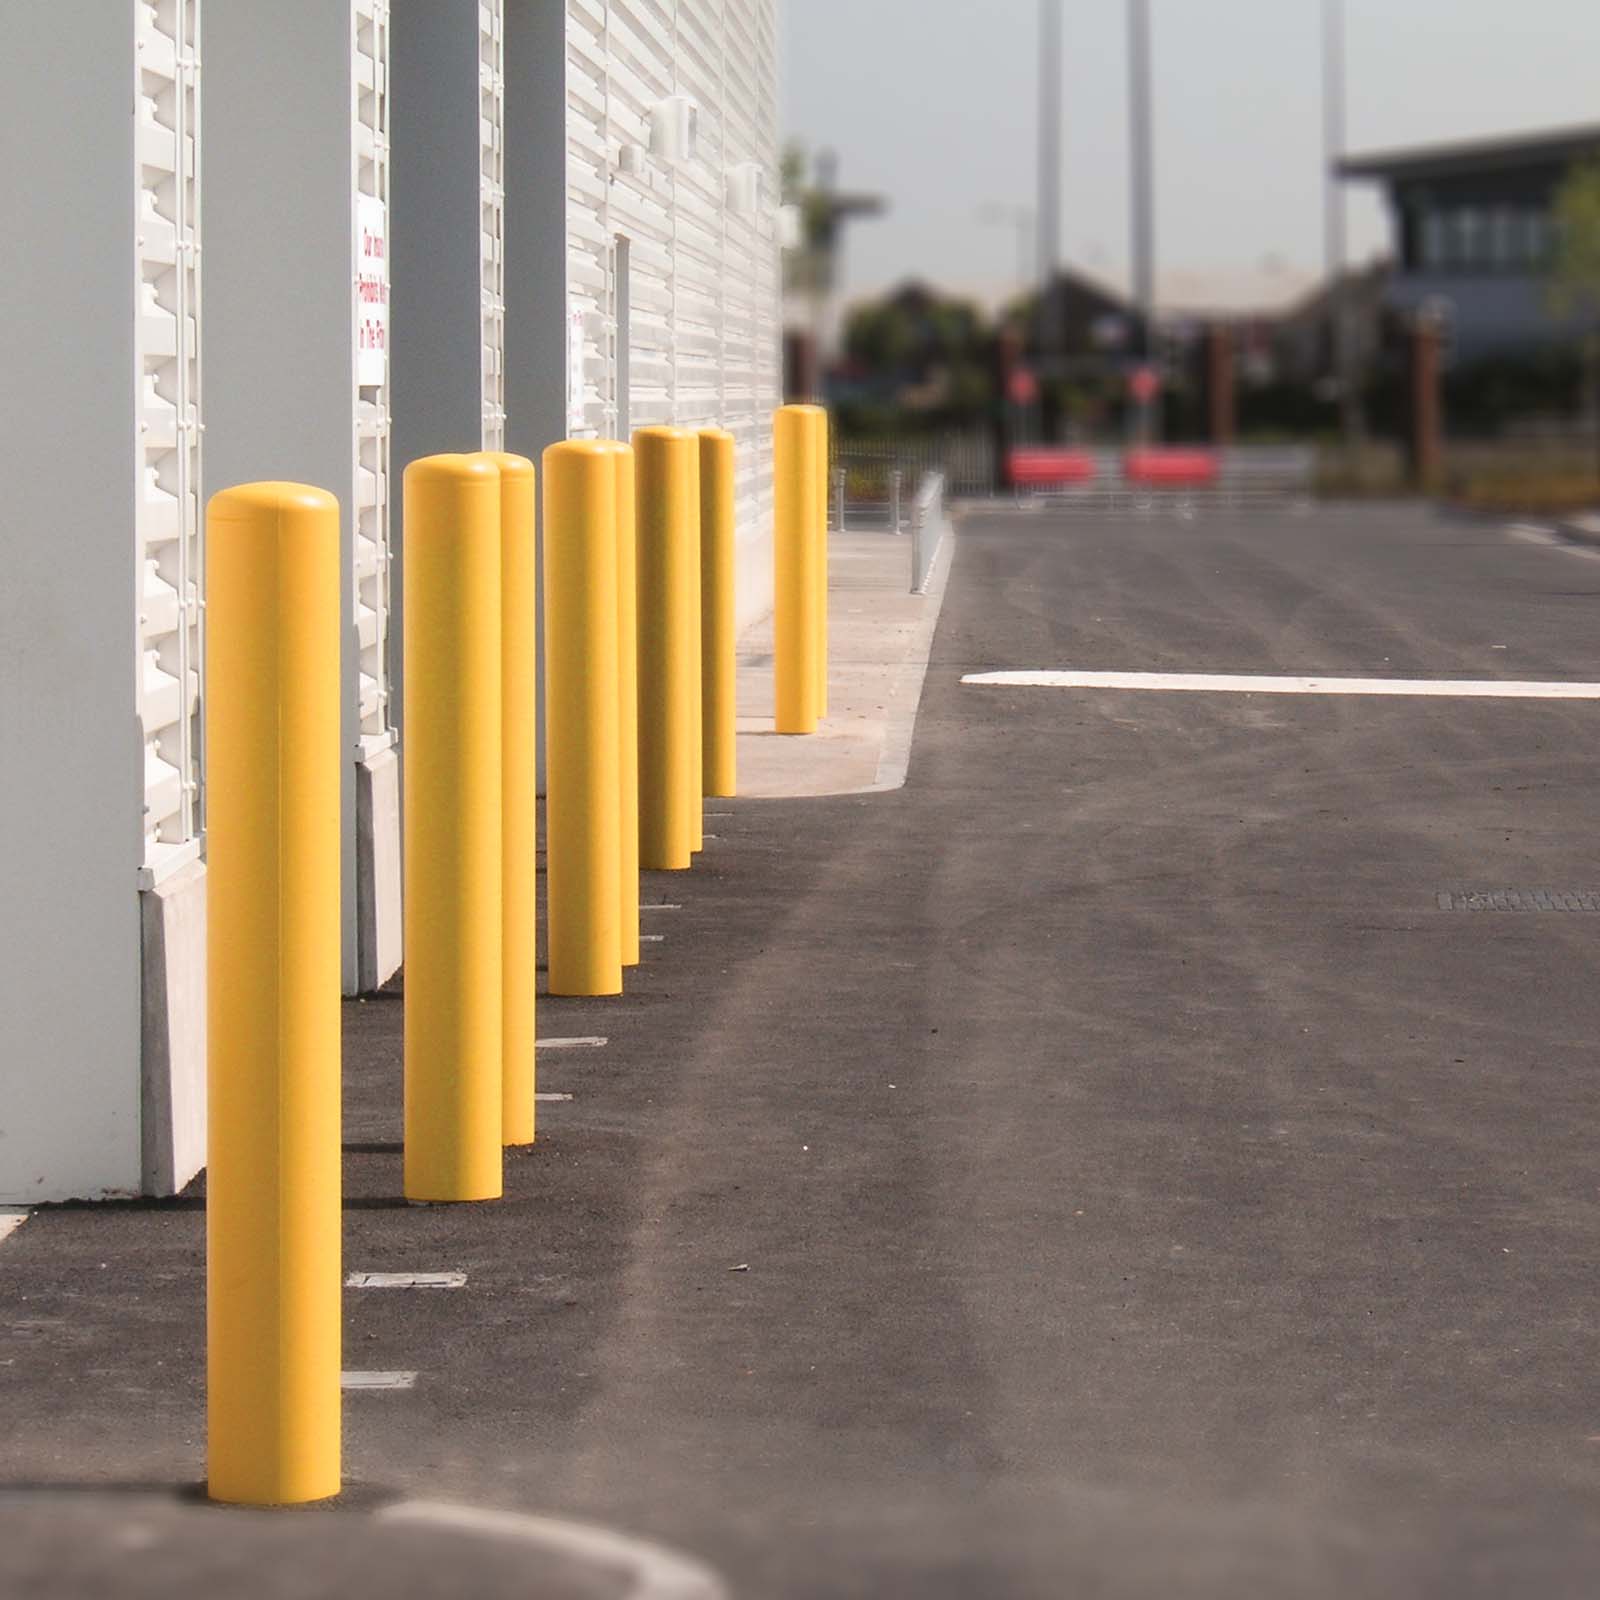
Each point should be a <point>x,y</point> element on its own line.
<point>406,1280</point>
<point>659,905</point>
<point>719,813</point>
<point>710,835</point>
<point>377,1380</point>
<point>542,1096</point>
<point>1530,533</point>
<point>588,1041</point>
<point>11,1218</point>
<point>651,1571</point>
<point>1230,683</point>
<point>652,938</point>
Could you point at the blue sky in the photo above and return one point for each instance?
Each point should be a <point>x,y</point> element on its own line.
<point>933,104</point>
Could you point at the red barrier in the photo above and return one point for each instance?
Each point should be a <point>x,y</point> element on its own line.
<point>1171,469</point>
<point>1039,469</point>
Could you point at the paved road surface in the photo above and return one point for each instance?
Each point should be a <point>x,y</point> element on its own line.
<point>1102,1169</point>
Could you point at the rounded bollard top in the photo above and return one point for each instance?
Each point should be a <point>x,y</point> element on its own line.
<point>580,447</point>
<point>271,498</point>
<point>662,430</point>
<point>805,407</point>
<point>508,462</point>
<point>714,433</point>
<point>452,465</point>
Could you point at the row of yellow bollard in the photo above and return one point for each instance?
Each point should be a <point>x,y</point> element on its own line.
<point>639,579</point>
<point>800,554</point>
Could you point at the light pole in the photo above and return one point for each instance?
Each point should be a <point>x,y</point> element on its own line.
<point>1049,177</point>
<point>1142,206</point>
<point>1333,230</point>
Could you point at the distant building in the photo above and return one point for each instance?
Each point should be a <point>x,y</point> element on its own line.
<point>1475,234</point>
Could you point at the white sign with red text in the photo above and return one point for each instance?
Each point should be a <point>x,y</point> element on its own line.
<point>372,291</point>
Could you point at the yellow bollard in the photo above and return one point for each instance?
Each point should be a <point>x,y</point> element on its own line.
<point>795,630</point>
<point>627,700</point>
<point>273,1221</point>
<point>519,790</point>
<point>583,806</point>
<point>717,612</point>
<point>663,459</point>
<point>454,971</point>
<point>696,653</point>
<point>819,445</point>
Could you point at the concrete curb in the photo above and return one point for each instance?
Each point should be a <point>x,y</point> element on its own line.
<point>1580,530</point>
<point>906,693</point>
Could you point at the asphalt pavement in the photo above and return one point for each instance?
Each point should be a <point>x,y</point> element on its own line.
<point>1137,1158</point>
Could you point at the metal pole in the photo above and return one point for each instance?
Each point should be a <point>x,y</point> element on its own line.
<point>894,501</point>
<point>1142,209</point>
<point>1334,246</point>
<point>1049,210</point>
<point>838,492</point>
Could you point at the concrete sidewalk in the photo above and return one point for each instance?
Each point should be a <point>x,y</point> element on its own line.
<point>879,638</point>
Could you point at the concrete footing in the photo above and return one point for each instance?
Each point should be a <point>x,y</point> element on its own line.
<point>378,869</point>
<point>172,1053</point>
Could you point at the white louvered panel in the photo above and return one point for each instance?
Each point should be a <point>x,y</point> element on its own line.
<point>703,290</point>
<point>166,104</point>
<point>491,116</point>
<point>588,242</point>
<point>370,541</point>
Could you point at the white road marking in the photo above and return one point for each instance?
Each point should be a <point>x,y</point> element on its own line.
<point>406,1280</point>
<point>652,938</point>
<point>652,1571</point>
<point>543,1096</point>
<point>1240,683</point>
<point>587,1041</point>
<point>11,1218</point>
<point>377,1380</point>
<point>1532,533</point>
<point>659,905</point>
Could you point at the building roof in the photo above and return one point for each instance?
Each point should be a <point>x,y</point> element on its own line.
<point>1546,147</point>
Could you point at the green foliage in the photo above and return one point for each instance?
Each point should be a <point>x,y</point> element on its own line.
<point>1575,267</point>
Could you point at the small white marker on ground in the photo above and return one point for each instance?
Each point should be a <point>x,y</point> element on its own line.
<point>587,1041</point>
<point>542,1096</point>
<point>652,938</point>
<point>377,1380</point>
<point>405,1280</point>
<point>660,905</point>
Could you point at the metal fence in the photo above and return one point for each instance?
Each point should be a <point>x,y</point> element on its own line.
<point>965,460</point>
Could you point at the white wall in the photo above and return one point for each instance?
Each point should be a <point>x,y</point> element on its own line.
<point>71,767</point>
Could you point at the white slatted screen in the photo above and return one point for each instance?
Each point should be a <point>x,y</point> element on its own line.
<point>704,320</point>
<point>491,138</point>
<point>370,113</point>
<point>167,98</point>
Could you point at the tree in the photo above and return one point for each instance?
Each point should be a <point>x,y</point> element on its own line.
<point>1574,288</point>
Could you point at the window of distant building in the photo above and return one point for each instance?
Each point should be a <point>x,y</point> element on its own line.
<point>1483,239</point>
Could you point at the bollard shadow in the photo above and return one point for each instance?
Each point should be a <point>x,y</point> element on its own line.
<point>374,1147</point>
